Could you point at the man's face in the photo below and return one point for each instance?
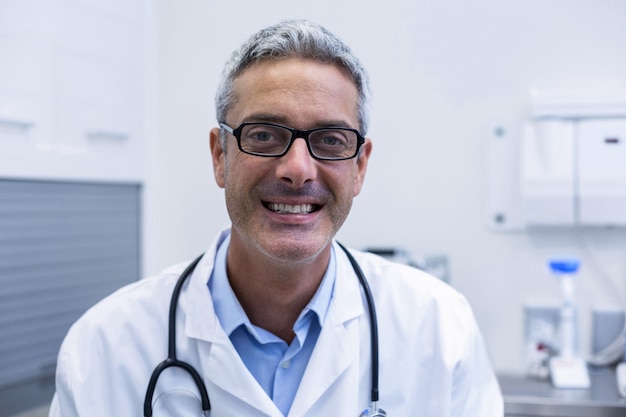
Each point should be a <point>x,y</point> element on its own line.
<point>290,207</point>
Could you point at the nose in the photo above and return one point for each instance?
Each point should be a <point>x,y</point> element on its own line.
<point>297,166</point>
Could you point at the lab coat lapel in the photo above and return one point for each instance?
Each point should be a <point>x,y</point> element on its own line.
<point>221,365</point>
<point>337,347</point>
<point>227,372</point>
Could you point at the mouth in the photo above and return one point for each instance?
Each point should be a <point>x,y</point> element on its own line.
<point>291,208</point>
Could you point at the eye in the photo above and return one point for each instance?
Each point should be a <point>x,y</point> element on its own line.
<point>264,139</point>
<point>259,134</point>
<point>332,138</point>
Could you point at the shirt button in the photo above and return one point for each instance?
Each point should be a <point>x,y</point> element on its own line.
<point>286,364</point>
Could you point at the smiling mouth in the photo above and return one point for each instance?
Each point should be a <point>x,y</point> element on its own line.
<point>292,209</point>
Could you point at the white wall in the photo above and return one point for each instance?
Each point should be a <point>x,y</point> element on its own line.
<point>442,74</point>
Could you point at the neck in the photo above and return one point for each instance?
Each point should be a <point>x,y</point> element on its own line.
<point>273,294</point>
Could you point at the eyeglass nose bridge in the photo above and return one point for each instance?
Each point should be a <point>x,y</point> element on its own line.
<point>299,134</point>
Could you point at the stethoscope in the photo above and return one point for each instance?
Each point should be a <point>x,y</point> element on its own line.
<point>172,361</point>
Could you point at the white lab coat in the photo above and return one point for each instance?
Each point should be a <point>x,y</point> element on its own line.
<point>432,358</point>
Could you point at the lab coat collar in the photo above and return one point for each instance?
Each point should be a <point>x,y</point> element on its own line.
<point>336,348</point>
<point>202,323</point>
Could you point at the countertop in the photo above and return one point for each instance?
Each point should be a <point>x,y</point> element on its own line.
<point>525,397</point>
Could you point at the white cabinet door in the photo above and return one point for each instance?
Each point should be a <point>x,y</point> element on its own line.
<point>72,88</point>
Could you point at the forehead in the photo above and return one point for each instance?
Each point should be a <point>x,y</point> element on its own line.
<point>295,89</point>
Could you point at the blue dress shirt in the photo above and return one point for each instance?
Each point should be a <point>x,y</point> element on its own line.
<point>277,366</point>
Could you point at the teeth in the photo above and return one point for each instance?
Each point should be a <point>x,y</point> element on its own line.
<point>288,208</point>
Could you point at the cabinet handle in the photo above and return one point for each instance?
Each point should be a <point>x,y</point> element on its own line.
<point>106,135</point>
<point>16,125</point>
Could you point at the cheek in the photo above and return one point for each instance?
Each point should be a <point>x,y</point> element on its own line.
<point>357,181</point>
<point>230,179</point>
<point>241,172</point>
<point>229,167</point>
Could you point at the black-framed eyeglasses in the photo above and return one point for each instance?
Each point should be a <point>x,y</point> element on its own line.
<point>273,140</point>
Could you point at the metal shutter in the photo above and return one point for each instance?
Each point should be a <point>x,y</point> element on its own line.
<point>63,247</point>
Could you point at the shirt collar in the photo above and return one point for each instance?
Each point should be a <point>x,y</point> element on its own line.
<point>232,315</point>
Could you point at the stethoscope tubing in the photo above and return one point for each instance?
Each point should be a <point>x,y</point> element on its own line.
<point>373,321</point>
<point>172,361</point>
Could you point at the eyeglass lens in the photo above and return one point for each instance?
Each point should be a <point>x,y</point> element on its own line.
<point>270,140</point>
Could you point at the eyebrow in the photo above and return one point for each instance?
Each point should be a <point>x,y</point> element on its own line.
<point>273,118</point>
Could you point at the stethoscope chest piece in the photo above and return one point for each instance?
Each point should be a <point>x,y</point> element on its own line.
<point>373,411</point>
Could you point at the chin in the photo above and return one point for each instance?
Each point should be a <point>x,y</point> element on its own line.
<point>298,251</point>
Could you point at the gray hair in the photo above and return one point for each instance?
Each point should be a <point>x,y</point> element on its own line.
<point>297,39</point>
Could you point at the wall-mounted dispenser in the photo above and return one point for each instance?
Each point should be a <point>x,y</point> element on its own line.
<point>601,170</point>
<point>547,172</point>
<point>565,166</point>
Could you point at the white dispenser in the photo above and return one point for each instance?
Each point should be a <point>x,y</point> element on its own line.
<point>601,172</point>
<point>573,165</point>
<point>547,173</point>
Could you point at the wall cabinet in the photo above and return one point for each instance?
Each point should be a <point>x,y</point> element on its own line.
<point>73,83</point>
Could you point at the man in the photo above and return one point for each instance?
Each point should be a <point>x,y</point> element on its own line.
<point>273,318</point>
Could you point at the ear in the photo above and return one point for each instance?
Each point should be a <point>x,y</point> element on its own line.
<point>361,165</point>
<point>217,154</point>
